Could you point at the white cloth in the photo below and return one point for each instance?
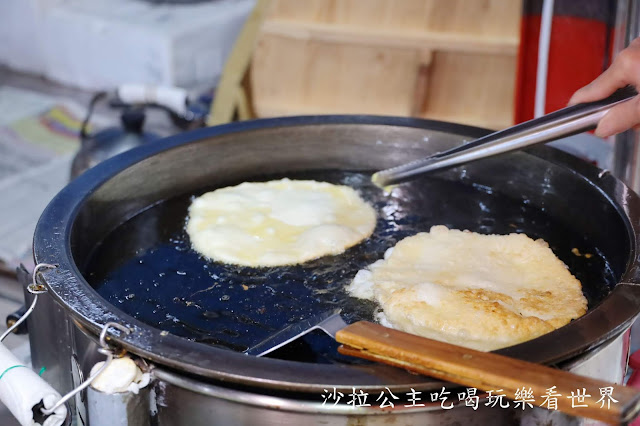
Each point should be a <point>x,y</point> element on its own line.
<point>121,375</point>
<point>21,389</point>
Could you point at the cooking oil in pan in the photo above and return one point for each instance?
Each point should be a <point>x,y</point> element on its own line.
<point>146,267</point>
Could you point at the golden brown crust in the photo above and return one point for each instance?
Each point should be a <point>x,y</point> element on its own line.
<point>480,291</point>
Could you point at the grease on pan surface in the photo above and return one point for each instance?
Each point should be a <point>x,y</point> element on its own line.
<point>280,222</point>
<point>484,292</point>
<point>147,268</point>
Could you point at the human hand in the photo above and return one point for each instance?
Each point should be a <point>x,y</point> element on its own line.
<point>625,70</point>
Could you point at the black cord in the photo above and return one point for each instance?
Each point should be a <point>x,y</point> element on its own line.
<point>85,122</point>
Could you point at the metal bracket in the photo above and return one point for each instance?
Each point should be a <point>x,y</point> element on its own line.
<point>104,349</point>
<point>34,288</point>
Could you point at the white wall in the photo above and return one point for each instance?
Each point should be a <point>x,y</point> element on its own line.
<point>99,44</point>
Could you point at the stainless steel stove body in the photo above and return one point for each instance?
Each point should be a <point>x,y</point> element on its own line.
<point>200,384</point>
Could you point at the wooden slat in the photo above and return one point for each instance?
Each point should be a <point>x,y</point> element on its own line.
<point>490,19</point>
<point>485,371</point>
<point>228,92</point>
<point>380,37</point>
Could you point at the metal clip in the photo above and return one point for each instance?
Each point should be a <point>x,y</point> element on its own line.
<point>104,349</point>
<point>34,288</point>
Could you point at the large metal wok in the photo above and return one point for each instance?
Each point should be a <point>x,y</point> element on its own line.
<point>115,234</point>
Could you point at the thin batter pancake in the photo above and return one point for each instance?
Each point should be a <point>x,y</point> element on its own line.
<point>279,222</point>
<point>480,291</point>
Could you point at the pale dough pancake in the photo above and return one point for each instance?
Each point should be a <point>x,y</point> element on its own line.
<point>480,291</point>
<point>279,222</point>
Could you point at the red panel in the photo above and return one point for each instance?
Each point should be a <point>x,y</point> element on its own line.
<point>576,55</point>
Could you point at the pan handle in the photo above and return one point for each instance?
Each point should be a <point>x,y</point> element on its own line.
<point>490,372</point>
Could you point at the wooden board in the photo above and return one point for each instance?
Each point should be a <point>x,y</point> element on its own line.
<point>473,89</point>
<point>290,76</point>
<point>489,372</point>
<point>452,60</point>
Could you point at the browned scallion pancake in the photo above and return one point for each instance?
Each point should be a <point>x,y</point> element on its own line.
<point>480,291</point>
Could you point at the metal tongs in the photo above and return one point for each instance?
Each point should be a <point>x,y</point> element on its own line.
<point>564,122</point>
